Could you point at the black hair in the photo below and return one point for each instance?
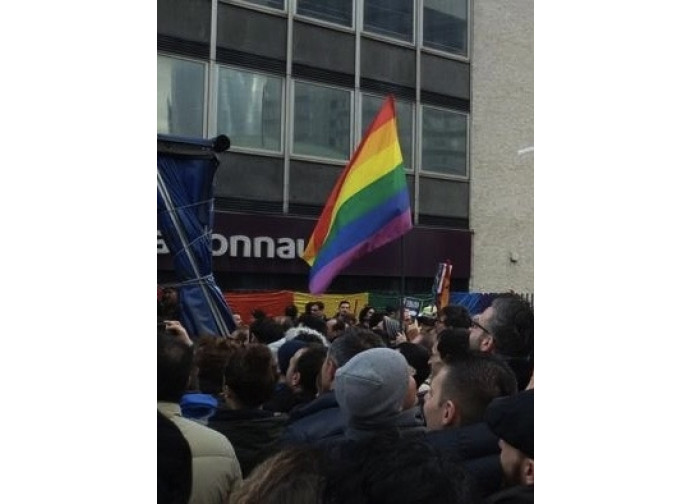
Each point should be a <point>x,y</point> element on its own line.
<point>473,381</point>
<point>456,316</point>
<point>250,374</point>
<point>418,357</point>
<point>313,322</point>
<point>308,366</point>
<point>175,363</point>
<point>453,343</point>
<point>512,325</point>
<point>266,330</point>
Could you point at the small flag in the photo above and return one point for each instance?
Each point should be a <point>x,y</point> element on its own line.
<point>441,288</point>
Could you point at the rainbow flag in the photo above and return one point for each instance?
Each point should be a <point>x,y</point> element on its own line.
<point>368,207</point>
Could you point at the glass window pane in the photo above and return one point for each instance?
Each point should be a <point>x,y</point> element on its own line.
<point>180,97</point>
<point>321,121</point>
<point>249,109</point>
<point>334,11</point>
<point>403,112</point>
<point>393,18</point>
<point>445,25</point>
<point>444,141</point>
<point>276,4</point>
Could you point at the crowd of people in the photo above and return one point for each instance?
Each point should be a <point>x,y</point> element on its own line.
<point>368,407</point>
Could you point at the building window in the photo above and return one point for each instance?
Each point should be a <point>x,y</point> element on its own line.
<point>404,112</point>
<point>333,11</point>
<point>249,109</point>
<point>445,25</point>
<point>181,97</point>
<point>321,121</point>
<point>392,18</point>
<point>275,4</point>
<point>444,141</point>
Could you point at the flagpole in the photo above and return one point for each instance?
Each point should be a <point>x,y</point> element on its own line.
<point>402,281</point>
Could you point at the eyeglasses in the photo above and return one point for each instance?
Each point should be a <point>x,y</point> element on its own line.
<point>474,323</point>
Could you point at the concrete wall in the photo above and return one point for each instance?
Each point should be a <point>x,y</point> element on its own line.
<point>502,181</point>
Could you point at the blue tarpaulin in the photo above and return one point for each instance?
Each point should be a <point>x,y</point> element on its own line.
<point>186,168</point>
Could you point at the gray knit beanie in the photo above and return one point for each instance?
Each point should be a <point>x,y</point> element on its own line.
<point>371,387</point>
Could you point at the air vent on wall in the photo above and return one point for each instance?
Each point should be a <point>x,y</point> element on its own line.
<point>321,75</point>
<point>183,47</point>
<point>247,60</point>
<point>429,98</point>
<point>447,222</point>
<point>250,206</point>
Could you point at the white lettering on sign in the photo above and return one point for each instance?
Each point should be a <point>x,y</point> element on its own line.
<point>243,246</point>
<point>162,247</point>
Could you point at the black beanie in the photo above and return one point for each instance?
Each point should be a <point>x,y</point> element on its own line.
<point>511,418</point>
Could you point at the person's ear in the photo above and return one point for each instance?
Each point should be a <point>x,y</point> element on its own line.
<point>487,344</point>
<point>450,413</point>
<point>527,471</point>
<point>294,380</point>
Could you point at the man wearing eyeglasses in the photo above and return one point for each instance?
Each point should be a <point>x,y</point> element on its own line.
<point>506,328</point>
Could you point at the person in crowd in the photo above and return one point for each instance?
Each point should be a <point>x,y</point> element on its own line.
<point>450,344</point>
<point>205,392</point>
<point>453,316</point>
<point>284,321</point>
<point>426,322</point>
<point>343,309</point>
<point>283,398</point>
<point>250,379</point>
<point>418,358</point>
<point>174,464</point>
<point>365,315</point>
<point>322,418</point>
<point>512,420</point>
<point>292,476</point>
<point>265,330</point>
<point>454,409</point>
<point>371,389</point>
<point>334,328</point>
<point>315,309</point>
<point>395,471</point>
<point>316,323</point>
<point>506,328</point>
<point>298,378</point>
<point>169,305</point>
<point>292,311</point>
<point>215,468</point>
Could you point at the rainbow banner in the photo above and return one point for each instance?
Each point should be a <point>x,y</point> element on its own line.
<point>368,207</point>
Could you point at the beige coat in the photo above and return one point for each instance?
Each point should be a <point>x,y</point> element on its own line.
<point>215,469</point>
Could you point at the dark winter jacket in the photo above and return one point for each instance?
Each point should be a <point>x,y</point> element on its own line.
<point>522,494</point>
<point>253,434</point>
<point>315,421</point>
<point>476,447</point>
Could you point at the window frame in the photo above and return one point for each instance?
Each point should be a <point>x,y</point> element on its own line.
<point>263,8</point>
<point>205,93</point>
<point>441,175</point>
<point>352,28</point>
<point>388,38</point>
<point>441,52</point>
<point>253,150</point>
<point>308,157</point>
